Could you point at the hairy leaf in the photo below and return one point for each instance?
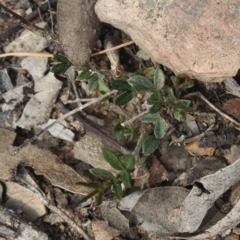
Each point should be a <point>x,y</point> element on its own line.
<point>129,162</point>
<point>92,83</point>
<point>126,179</point>
<point>160,128</point>
<point>117,190</point>
<point>149,145</point>
<point>112,159</point>
<point>141,84</point>
<point>102,174</point>
<point>149,117</point>
<point>159,78</point>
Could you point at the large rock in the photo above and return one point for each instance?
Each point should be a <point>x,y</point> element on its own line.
<point>199,39</point>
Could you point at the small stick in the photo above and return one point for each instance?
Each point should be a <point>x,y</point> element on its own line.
<point>113,48</point>
<point>214,107</point>
<point>28,141</point>
<point>129,121</point>
<point>27,54</point>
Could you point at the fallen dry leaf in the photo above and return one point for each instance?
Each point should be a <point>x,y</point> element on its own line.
<point>42,161</point>
<point>193,148</point>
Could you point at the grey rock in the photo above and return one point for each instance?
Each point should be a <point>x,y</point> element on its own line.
<point>199,39</point>
<point>36,66</point>
<point>29,42</point>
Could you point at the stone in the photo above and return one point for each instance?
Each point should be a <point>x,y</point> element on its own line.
<point>29,41</point>
<point>199,39</point>
<point>36,66</point>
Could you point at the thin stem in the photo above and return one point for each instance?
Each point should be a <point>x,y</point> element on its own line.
<point>113,48</point>
<point>129,121</point>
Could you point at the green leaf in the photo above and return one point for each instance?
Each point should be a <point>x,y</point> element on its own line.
<point>176,114</point>
<point>123,98</point>
<point>117,190</point>
<point>61,59</point>
<point>60,68</point>
<point>141,84</point>
<point>121,85</point>
<point>183,104</point>
<point>100,76</point>
<point>87,197</point>
<point>112,159</point>
<point>159,78</point>
<point>170,93</point>
<point>149,145</point>
<point>156,97</point>
<point>118,127</point>
<point>176,81</point>
<point>129,162</point>
<point>126,179</point>
<point>102,174</point>
<point>188,83</point>
<point>85,74</point>
<point>155,108</point>
<point>119,135</point>
<point>99,198</point>
<point>102,86</point>
<point>149,117</point>
<point>160,128</point>
<point>92,83</point>
<point>148,72</point>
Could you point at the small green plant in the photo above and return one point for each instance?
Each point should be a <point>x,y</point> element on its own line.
<point>94,79</point>
<point>62,66</point>
<point>124,165</point>
<point>126,132</point>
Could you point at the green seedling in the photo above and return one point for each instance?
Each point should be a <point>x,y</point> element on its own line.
<point>94,79</point>
<point>126,132</point>
<point>124,165</point>
<point>62,66</point>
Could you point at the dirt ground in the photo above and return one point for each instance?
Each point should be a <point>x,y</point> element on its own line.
<point>180,135</point>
